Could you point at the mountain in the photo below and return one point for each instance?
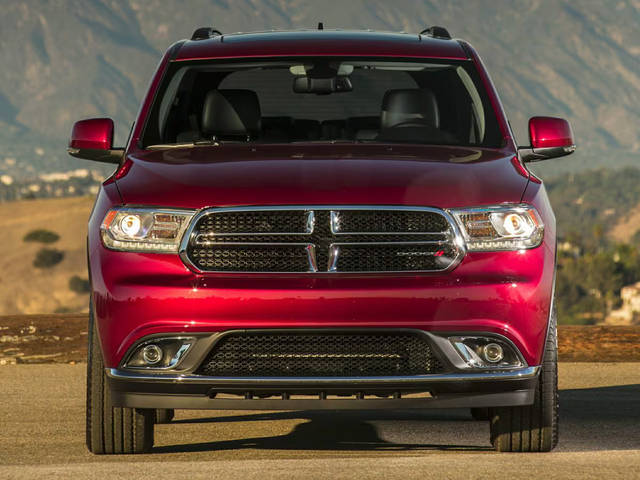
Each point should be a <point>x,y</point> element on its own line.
<point>66,60</point>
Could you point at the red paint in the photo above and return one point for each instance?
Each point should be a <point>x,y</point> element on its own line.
<point>522,170</point>
<point>550,132</point>
<point>137,294</point>
<point>94,133</point>
<point>123,170</point>
<point>321,174</point>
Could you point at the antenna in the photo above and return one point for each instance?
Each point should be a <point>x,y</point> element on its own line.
<point>320,26</point>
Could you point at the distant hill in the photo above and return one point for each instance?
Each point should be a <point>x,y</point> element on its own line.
<point>25,288</point>
<point>597,206</point>
<point>64,60</point>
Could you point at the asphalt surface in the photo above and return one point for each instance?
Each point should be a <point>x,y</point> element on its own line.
<point>42,436</point>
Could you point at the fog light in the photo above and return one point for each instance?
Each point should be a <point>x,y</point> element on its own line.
<point>492,352</point>
<point>159,353</point>
<point>152,354</point>
<point>487,352</point>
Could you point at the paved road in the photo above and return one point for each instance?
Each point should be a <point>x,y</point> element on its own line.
<point>42,435</point>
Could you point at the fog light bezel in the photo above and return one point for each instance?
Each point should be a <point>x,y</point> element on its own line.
<point>473,358</point>
<point>177,352</point>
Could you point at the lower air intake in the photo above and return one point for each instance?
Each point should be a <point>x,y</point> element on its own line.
<point>320,355</point>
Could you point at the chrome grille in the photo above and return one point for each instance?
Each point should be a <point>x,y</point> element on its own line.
<point>321,239</point>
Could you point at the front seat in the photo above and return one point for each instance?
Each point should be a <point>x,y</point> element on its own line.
<point>411,115</point>
<point>226,114</point>
<point>231,113</point>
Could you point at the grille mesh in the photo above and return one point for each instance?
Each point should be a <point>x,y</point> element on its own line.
<point>390,221</point>
<point>257,221</point>
<point>399,258</point>
<point>320,355</point>
<point>243,258</point>
<point>282,241</point>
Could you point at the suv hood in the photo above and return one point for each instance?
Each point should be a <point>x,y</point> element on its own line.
<point>230,175</point>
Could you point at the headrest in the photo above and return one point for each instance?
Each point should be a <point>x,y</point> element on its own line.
<point>402,105</point>
<point>231,112</point>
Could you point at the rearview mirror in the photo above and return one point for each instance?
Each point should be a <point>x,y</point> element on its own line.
<point>321,86</point>
<point>550,137</point>
<point>93,140</point>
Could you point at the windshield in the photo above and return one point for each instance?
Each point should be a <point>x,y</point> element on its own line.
<point>322,100</point>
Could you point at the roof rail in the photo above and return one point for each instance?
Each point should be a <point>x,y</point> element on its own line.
<point>436,32</point>
<point>204,33</point>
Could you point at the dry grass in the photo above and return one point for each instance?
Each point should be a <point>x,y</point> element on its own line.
<point>26,289</point>
<point>627,226</point>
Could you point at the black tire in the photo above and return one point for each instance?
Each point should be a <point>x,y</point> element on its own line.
<point>480,414</point>
<point>532,428</point>
<point>164,415</point>
<point>112,429</point>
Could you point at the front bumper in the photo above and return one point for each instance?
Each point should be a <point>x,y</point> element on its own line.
<point>451,390</point>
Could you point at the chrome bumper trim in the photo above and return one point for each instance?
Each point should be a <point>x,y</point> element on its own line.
<point>519,374</point>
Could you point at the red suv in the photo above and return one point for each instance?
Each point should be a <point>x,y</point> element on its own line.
<point>321,220</point>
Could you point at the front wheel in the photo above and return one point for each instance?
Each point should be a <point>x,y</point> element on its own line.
<point>112,429</point>
<point>532,428</point>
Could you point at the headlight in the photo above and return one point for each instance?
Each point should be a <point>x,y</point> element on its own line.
<point>145,230</point>
<point>508,227</point>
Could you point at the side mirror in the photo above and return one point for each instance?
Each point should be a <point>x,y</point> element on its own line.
<point>93,140</point>
<point>550,138</point>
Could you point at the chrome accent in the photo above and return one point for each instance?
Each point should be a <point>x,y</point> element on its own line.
<point>426,242</point>
<point>179,354</point>
<point>454,235</point>
<point>311,221</point>
<point>256,244</point>
<point>335,222</point>
<point>311,255</point>
<point>523,373</point>
<point>334,253</point>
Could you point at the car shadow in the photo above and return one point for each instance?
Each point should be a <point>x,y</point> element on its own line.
<point>591,419</point>
<point>335,431</point>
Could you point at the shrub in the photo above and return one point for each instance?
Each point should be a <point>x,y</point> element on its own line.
<point>78,284</point>
<point>48,257</point>
<point>41,235</point>
<point>64,310</point>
